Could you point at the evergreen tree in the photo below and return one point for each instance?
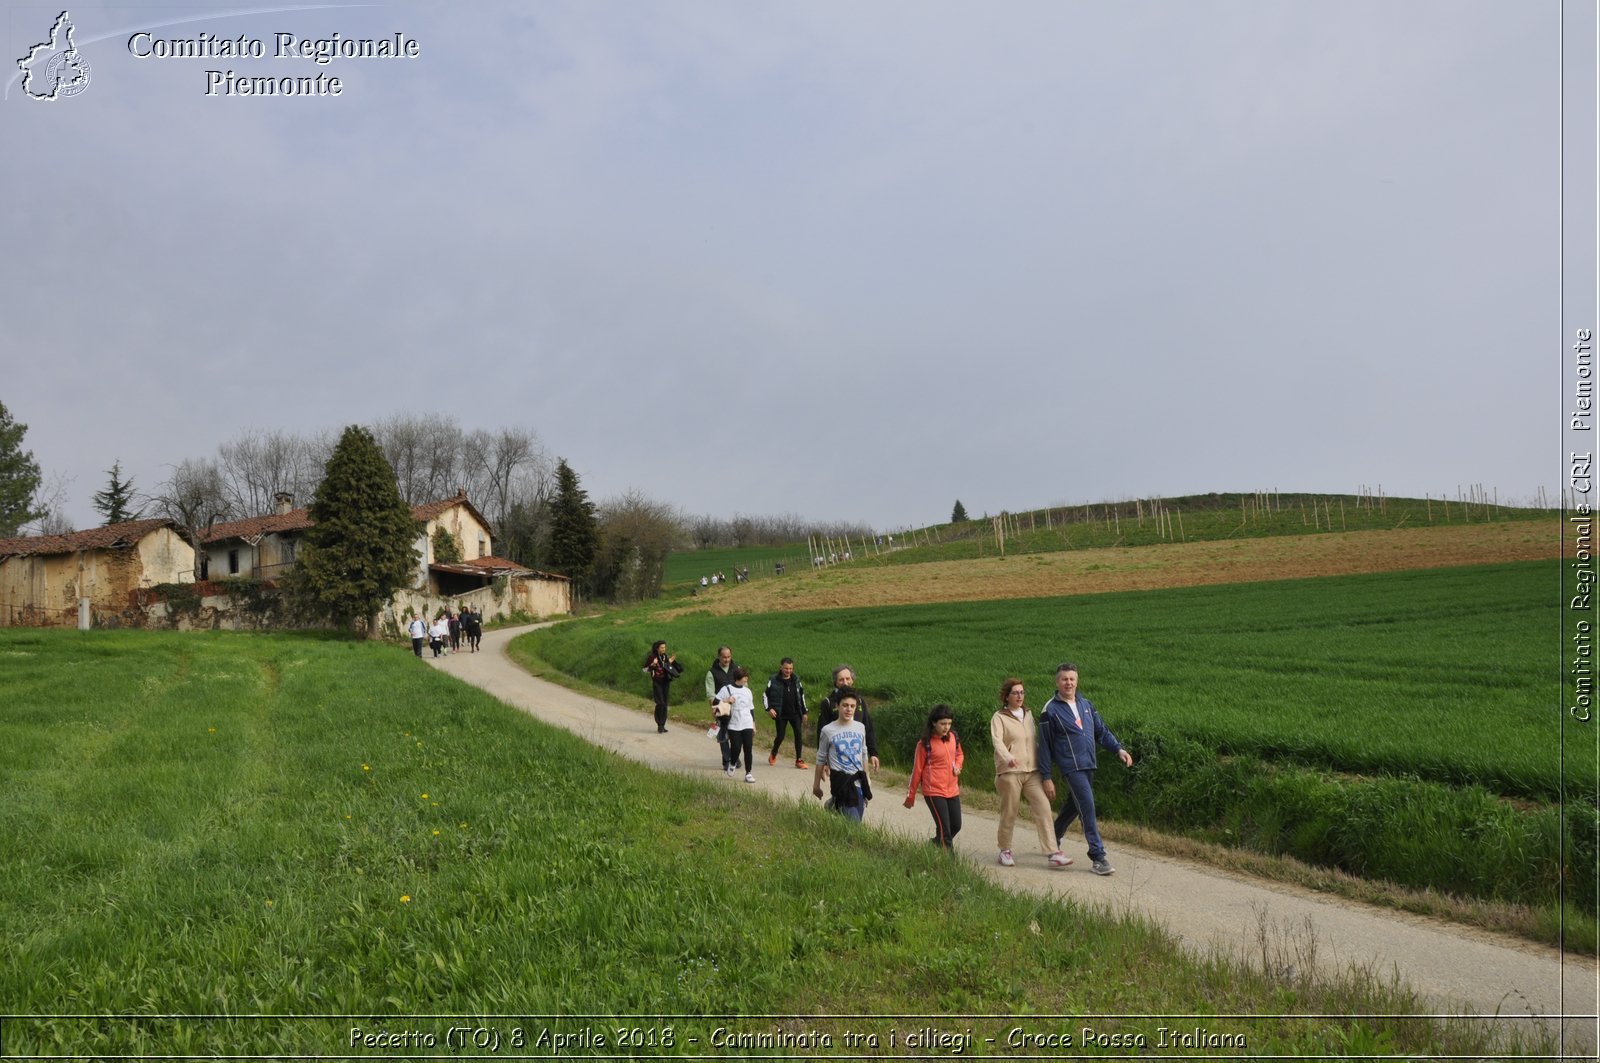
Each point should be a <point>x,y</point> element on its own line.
<point>361,548</point>
<point>574,531</point>
<point>19,478</point>
<point>115,503</point>
<point>959,513</point>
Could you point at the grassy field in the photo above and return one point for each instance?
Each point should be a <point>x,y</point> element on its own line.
<point>210,824</point>
<point>1339,720</point>
<point>687,566</point>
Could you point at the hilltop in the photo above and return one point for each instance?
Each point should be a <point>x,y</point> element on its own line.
<point>869,580</point>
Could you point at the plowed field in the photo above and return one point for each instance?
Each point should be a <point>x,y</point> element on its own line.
<point>864,583</point>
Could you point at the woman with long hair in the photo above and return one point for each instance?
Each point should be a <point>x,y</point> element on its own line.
<point>662,668</point>
<point>937,769</point>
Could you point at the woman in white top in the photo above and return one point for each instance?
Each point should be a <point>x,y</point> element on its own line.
<point>741,709</point>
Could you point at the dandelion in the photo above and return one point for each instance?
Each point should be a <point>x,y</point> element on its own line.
<point>435,834</point>
<point>269,902</point>
<point>405,898</point>
<point>211,730</point>
<point>365,768</point>
<point>424,797</point>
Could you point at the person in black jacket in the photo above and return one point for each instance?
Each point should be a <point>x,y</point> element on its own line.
<point>785,700</point>
<point>719,675</point>
<point>844,677</point>
<point>662,668</point>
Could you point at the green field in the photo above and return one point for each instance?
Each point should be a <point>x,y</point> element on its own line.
<point>687,566</point>
<point>1400,726</point>
<point>264,826</point>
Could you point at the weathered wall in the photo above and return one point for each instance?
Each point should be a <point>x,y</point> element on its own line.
<point>44,590</point>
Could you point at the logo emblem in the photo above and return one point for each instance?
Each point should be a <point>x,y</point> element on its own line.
<point>55,68</point>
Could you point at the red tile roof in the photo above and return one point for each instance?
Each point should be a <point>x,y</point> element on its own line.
<point>254,527</point>
<point>109,537</point>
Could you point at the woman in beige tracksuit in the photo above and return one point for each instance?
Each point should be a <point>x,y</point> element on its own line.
<point>1014,733</point>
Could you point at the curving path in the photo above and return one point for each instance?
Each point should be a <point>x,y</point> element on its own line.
<point>1459,970</point>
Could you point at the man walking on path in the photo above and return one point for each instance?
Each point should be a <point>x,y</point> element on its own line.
<point>1069,730</point>
<point>719,675</point>
<point>785,700</point>
<point>841,755</point>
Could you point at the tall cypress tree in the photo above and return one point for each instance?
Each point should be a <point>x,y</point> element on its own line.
<point>19,477</point>
<point>574,531</point>
<point>361,547</point>
<point>115,503</point>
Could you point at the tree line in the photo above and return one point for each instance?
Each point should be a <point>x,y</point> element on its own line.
<point>542,517</point>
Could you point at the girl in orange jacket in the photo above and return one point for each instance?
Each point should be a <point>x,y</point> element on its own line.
<point>937,769</point>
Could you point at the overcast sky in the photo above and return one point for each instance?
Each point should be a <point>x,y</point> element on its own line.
<point>847,259</point>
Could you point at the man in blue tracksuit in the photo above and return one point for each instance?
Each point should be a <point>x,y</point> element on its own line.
<point>1069,730</point>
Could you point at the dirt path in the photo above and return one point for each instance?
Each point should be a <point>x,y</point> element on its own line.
<point>1458,970</point>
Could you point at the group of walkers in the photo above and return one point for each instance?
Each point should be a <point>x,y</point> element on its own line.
<point>1028,750</point>
<point>446,632</point>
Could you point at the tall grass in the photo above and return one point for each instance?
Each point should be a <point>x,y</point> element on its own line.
<point>1308,717</point>
<point>254,827</point>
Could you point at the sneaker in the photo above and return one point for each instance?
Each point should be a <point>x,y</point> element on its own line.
<point>772,758</point>
<point>749,777</point>
<point>801,764</point>
<point>1100,867</point>
<point>1006,858</point>
<point>1060,859</point>
<point>728,771</point>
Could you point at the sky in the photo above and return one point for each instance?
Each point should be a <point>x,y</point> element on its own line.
<point>848,260</point>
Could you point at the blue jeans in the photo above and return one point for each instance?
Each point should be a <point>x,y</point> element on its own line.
<point>1079,801</point>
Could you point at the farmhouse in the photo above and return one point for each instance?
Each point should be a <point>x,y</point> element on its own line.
<point>111,570</point>
<point>256,547</point>
<point>98,577</point>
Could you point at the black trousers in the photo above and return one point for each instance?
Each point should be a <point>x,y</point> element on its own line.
<point>741,741</point>
<point>788,721</point>
<point>946,818</point>
<point>659,688</point>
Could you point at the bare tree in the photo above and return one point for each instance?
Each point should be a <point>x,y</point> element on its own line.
<point>258,466</point>
<point>194,497</point>
<point>427,453</point>
<point>507,467</point>
<point>637,534</point>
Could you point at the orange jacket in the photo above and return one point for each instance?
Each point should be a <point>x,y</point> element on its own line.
<point>937,771</point>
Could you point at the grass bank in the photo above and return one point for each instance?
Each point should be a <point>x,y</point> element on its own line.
<point>207,824</point>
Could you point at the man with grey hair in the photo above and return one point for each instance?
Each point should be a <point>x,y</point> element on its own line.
<point>719,675</point>
<point>844,677</point>
<point>1069,731</point>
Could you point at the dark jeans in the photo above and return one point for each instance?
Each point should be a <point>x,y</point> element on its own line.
<point>1079,801</point>
<point>416,647</point>
<point>659,690</point>
<point>783,722</point>
<point>722,741</point>
<point>744,741</point>
<point>946,818</point>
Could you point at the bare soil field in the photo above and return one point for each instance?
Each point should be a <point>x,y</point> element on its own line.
<point>864,583</point>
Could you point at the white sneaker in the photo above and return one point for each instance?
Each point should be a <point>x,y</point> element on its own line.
<point>1006,859</point>
<point>728,771</point>
<point>748,777</point>
<point>1060,859</point>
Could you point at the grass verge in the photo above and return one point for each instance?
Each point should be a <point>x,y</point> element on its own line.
<point>232,825</point>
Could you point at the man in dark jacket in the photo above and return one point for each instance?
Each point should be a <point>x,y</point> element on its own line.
<point>719,675</point>
<point>1069,731</point>
<point>844,677</point>
<point>785,701</point>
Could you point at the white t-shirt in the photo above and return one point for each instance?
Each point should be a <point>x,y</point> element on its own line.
<point>743,717</point>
